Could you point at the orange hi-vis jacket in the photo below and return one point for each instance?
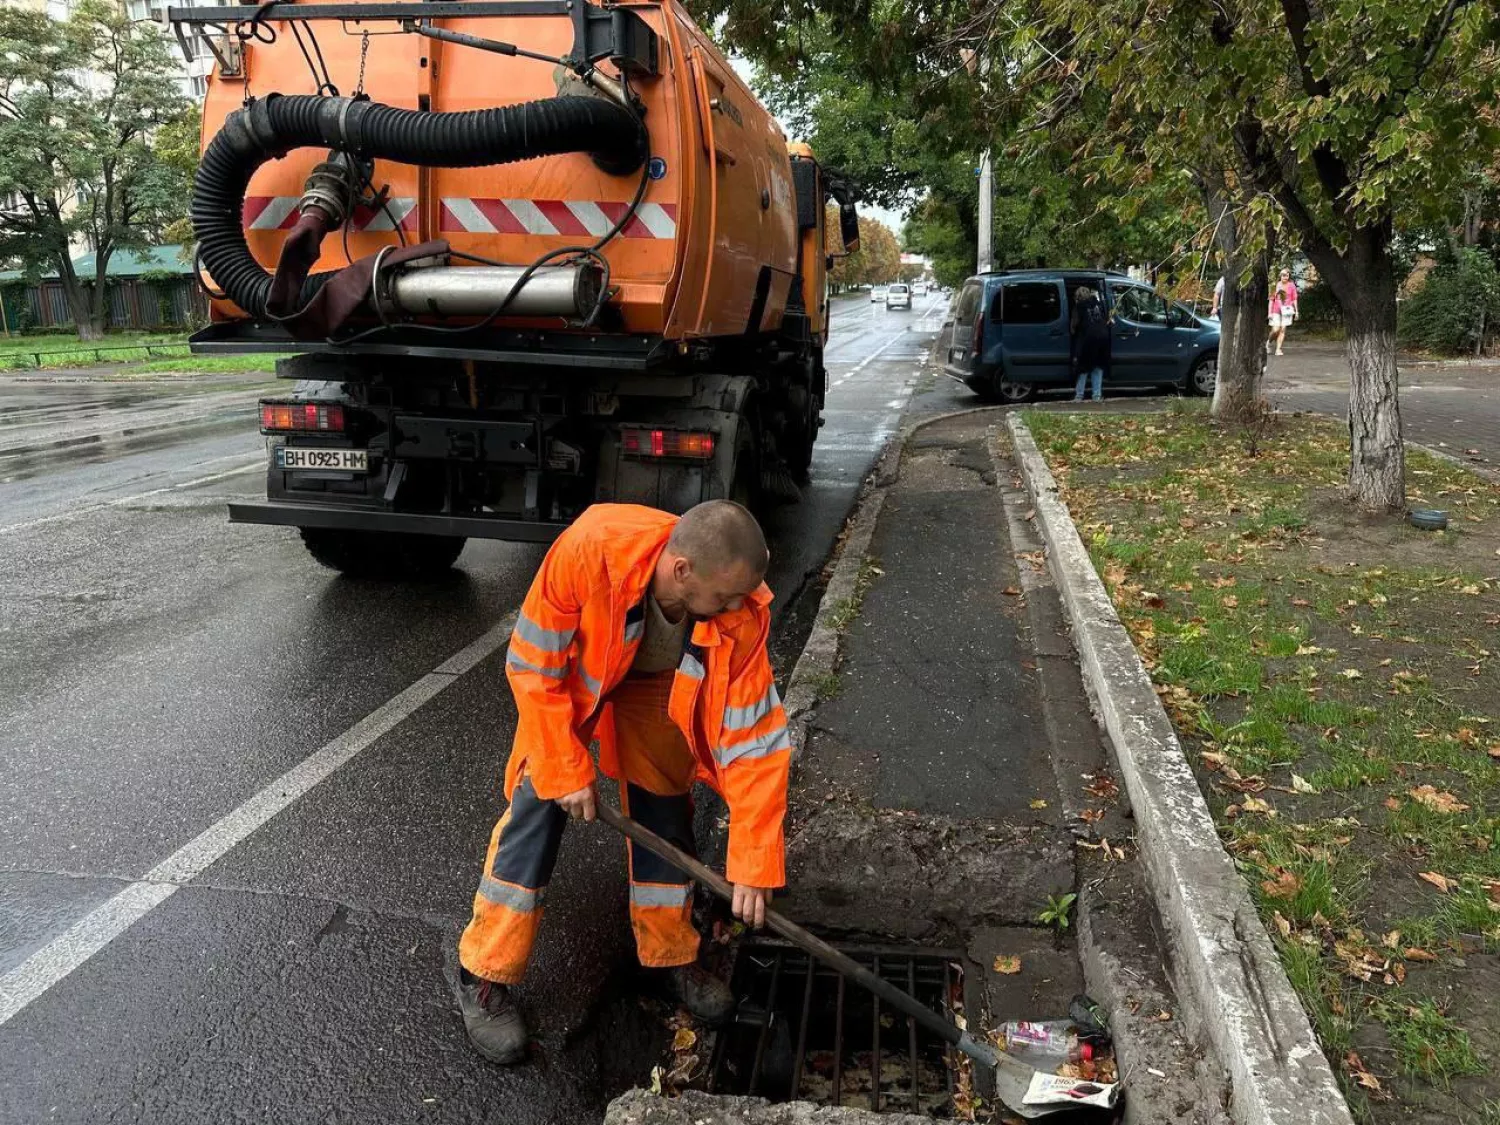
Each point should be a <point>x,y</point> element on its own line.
<point>575,639</point>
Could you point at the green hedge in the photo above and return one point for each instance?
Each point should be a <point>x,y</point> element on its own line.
<point>1458,301</point>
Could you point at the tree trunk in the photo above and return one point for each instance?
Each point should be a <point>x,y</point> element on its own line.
<point>99,310</point>
<point>1377,458</point>
<point>1242,328</point>
<point>80,308</point>
<point>1362,278</point>
<point>1242,344</point>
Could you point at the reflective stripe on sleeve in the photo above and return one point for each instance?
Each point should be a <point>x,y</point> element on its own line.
<point>523,900</point>
<point>650,894</point>
<point>760,746</point>
<point>548,640</point>
<point>743,718</point>
<point>514,661</point>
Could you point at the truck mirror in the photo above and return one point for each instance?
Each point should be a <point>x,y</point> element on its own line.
<point>849,227</point>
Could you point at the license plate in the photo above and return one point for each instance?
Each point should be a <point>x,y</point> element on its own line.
<point>957,355</point>
<point>339,460</point>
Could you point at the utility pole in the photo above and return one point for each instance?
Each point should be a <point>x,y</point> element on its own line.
<point>986,213</point>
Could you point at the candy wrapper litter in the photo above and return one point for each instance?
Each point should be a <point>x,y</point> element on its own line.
<point>1053,1089</point>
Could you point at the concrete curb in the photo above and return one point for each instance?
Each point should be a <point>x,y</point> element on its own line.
<point>1224,962</point>
<point>1484,471</point>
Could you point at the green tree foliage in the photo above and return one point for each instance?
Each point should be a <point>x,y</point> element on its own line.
<point>83,105</point>
<point>1456,306</point>
<point>1322,121</point>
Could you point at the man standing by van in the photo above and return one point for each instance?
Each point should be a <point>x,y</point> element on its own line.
<point>646,633</point>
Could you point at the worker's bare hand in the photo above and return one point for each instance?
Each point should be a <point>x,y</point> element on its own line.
<point>750,904</point>
<point>579,805</point>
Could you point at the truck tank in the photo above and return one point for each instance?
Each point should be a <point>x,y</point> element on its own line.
<point>521,255</point>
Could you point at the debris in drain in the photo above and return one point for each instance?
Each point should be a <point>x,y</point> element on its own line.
<point>1054,1089</point>
<point>803,1033</point>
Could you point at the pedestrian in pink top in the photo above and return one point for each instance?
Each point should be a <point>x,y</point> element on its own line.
<point>1283,308</point>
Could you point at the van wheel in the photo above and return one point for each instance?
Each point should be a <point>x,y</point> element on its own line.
<point>1204,376</point>
<point>383,554</point>
<point>1012,393</point>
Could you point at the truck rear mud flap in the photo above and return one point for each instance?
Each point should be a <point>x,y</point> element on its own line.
<point>283,514</point>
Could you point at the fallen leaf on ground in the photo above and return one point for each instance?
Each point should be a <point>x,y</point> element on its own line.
<point>1300,784</point>
<point>1438,800</point>
<point>1011,591</point>
<point>1416,953</point>
<point>1039,804</point>
<point>1229,601</point>
<point>1392,803</point>
<point>1282,925</point>
<point>1009,966</point>
<point>684,1039</point>
<point>1441,882</point>
<point>1358,1072</point>
<point>1352,674</point>
<point>1091,816</point>
<point>1285,885</point>
<point>1392,939</point>
<point>1163,1016</point>
<point>1255,804</point>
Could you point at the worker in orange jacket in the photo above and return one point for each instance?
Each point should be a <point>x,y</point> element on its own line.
<point>646,632</point>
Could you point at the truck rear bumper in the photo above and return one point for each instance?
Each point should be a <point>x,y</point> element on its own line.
<point>283,514</point>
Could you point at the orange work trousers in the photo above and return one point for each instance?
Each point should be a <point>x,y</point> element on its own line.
<point>656,774</point>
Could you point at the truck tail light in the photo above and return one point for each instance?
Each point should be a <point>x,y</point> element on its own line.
<point>689,445</point>
<point>301,417</point>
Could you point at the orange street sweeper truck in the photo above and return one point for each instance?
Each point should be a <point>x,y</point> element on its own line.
<point>521,256</point>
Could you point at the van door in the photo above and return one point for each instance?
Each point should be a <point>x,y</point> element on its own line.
<point>1033,331</point>
<point>1144,349</point>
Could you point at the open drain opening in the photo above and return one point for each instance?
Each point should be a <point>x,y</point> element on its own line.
<point>802,1032</point>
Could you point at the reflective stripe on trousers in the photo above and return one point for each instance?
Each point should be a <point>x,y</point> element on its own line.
<point>659,768</point>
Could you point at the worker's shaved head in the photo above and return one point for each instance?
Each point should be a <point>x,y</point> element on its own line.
<point>715,558</point>
<point>719,535</point>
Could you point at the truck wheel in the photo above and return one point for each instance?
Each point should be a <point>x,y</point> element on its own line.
<point>802,431</point>
<point>744,481</point>
<point>383,554</point>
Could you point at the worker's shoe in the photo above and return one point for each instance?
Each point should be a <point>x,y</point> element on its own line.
<point>492,1019</point>
<point>704,995</point>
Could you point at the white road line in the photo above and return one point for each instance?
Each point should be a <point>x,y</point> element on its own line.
<point>121,501</point>
<point>100,926</point>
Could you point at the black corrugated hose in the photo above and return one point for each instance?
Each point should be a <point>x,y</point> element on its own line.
<point>274,125</point>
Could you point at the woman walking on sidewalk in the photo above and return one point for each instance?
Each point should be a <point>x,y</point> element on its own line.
<point>1089,327</point>
<point>1283,308</point>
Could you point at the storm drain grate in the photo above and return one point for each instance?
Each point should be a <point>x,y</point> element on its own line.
<point>802,1032</point>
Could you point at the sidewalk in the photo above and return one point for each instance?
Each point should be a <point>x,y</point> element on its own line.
<point>954,785</point>
<point>1452,406</point>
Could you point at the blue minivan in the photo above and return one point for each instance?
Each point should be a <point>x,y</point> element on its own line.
<point>1010,335</point>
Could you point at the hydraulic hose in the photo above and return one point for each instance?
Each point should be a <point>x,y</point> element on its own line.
<point>274,125</point>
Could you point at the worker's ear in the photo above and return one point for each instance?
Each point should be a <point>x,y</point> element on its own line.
<point>682,568</point>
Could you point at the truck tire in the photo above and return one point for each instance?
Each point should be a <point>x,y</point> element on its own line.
<point>744,480</point>
<point>383,554</point>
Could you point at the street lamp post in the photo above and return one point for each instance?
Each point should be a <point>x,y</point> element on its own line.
<point>986,213</point>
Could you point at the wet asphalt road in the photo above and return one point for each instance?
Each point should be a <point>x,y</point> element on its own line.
<point>173,947</point>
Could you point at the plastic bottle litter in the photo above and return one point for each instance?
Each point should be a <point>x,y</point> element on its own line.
<point>1046,1045</point>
